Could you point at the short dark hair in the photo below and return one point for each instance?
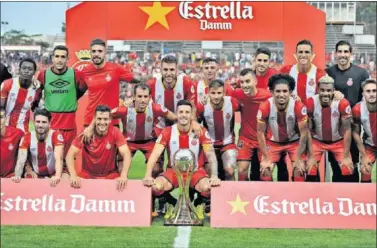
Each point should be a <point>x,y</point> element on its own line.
<point>98,42</point>
<point>42,111</point>
<point>343,43</point>
<point>2,109</point>
<point>208,60</point>
<point>60,48</point>
<point>169,59</point>
<point>142,86</point>
<point>29,60</point>
<point>263,50</point>
<point>103,108</point>
<point>184,102</point>
<point>304,42</point>
<point>246,71</point>
<point>368,81</point>
<point>217,83</point>
<point>281,79</point>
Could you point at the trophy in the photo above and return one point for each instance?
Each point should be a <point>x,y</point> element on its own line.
<point>184,213</point>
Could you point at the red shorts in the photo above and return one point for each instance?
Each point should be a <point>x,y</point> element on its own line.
<point>245,148</point>
<point>69,136</point>
<point>371,152</point>
<point>275,150</point>
<point>146,148</point>
<point>171,176</point>
<point>87,175</point>
<point>336,148</point>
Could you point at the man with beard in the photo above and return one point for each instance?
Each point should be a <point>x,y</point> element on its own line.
<point>103,80</point>
<point>180,136</point>
<point>280,117</point>
<point>62,87</point>
<point>43,148</point>
<point>262,67</point>
<point>10,140</point>
<point>218,118</point>
<point>305,74</point>
<point>330,122</point>
<point>99,156</point>
<point>365,114</point>
<point>348,78</point>
<point>249,97</point>
<point>209,73</point>
<point>4,73</point>
<point>20,95</point>
<point>169,87</point>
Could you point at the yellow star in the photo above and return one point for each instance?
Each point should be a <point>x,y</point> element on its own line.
<point>238,205</point>
<point>157,13</point>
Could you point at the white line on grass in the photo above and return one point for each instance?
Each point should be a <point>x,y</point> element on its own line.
<point>183,237</point>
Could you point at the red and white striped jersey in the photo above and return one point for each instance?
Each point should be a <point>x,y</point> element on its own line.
<point>183,89</point>
<point>140,126</point>
<point>41,153</point>
<point>173,140</point>
<point>327,121</point>
<point>282,125</point>
<point>368,120</point>
<point>219,123</point>
<point>19,103</point>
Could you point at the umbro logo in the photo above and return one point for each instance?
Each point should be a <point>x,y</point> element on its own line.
<point>59,83</point>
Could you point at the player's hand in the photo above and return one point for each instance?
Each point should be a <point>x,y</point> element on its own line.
<point>16,179</point>
<point>121,183</point>
<point>128,102</point>
<point>266,165</point>
<point>54,180</point>
<point>196,128</point>
<point>366,164</point>
<point>31,174</point>
<point>75,182</point>
<point>300,165</point>
<point>214,181</point>
<point>296,97</point>
<point>346,164</point>
<point>88,136</point>
<point>203,99</point>
<point>312,166</point>
<point>338,95</point>
<point>148,181</point>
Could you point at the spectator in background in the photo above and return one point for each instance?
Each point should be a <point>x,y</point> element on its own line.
<point>4,73</point>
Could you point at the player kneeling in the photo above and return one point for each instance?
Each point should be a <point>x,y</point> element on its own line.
<point>43,148</point>
<point>180,136</point>
<point>99,156</point>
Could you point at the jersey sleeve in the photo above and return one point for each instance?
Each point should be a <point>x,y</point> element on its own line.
<point>310,106</point>
<point>263,112</point>
<point>120,112</point>
<point>77,142</point>
<point>356,113</point>
<point>25,141</point>
<point>163,138</point>
<point>125,74</point>
<point>80,79</point>
<point>41,77</point>
<point>119,138</point>
<point>205,139</point>
<point>57,139</point>
<point>344,109</point>
<point>286,69</point>
<point>235,104</point>
<point>160,110</point>
<point>199,110</point>
<point>301,112</point>
<point>228,89</point>
<point>5,88</point>
<point>189,88</point>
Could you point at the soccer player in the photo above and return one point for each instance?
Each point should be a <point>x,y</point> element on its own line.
<point>180,136</point>
<point>348,79</point>
<point>169,87</point>
<point>103,80</point>
<point>305,74</point>
<point>43,148</point>
<point>365,114</point>
<point>249,97</point>
<point>99,156</point>
<point>218,118</point>
<point>330,123</point>
<point>20,95</point>
<point>262,67</point>
<point>280,117</point>
<point>10,140</point>
<point>209,71</point>
<point>62,87</point>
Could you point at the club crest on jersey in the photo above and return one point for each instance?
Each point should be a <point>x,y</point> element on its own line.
<point>10,147</point>
<point>240,144</point>
<point>311,82</point>
<point>304,111</point>
<point>179,96</point>
<point>30,98</point>
<point>227,116</point>
<point>206,134</point>
<point>335,114</point>
<point>108,78</point>
<point>49,149</point>
<point>348,110</point>
<point>60,138</point>
<point>194,142</point>
<point>350,82</point>
<point>149,119</point>
<point>108,146</point>
<point>164,109</point>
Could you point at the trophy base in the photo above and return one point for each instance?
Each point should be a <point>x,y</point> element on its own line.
<point>184,223</point>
